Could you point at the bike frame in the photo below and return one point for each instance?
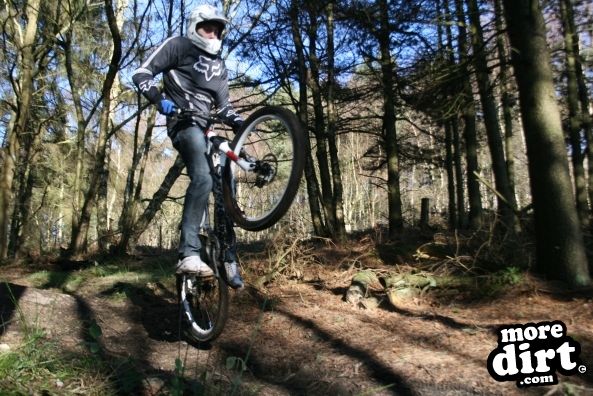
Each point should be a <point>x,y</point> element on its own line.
<point>221,235</point>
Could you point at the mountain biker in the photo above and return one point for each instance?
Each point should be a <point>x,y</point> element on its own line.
<point>194,77</point>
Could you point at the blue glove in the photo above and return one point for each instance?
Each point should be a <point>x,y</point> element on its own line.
<point>166,107</point>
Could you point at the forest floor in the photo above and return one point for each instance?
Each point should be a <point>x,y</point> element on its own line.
<point>111,326</point>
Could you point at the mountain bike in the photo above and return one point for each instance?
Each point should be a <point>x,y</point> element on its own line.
<point>255,179</point>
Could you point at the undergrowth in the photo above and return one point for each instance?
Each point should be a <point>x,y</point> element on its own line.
<point>39,365</point>
<point>477,265</point>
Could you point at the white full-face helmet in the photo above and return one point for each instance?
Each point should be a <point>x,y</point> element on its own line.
<point>206,13</point>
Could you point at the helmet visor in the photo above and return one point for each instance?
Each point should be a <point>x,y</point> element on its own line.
<point>207,25</point>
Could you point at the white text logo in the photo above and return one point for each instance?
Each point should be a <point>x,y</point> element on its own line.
<point>531,354</point>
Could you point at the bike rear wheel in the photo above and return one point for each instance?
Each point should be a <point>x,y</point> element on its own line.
<point>274,136</point>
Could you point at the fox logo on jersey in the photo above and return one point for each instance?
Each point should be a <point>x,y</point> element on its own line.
<point>210,68</point>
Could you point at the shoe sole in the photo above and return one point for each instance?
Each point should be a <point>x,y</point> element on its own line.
<point>200,274</point>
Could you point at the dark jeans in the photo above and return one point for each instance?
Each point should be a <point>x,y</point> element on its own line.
<point>191,144</point>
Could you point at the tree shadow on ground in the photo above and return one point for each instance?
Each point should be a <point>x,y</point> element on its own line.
<point>296,380</point>
<point>10,294</point>
<point>380,372</point>
<point>305,381</point>
<point>450,322</point>
<point>160,317</point>
<point>124,378</point>
<point>159,311</point>
<point>301,380</point>
<point>158,314</point>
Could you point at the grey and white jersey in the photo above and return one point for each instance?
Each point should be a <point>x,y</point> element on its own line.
<point>193,79</point>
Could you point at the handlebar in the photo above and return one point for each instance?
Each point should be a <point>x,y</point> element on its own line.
<point>219,143</point>
<point>185,114</point>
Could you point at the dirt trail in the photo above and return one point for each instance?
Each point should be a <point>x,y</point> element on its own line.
<point>301,337</point>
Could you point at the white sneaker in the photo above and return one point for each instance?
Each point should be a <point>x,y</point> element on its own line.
<point>193,265</point>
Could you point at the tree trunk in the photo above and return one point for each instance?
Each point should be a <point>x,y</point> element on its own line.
<point>23,184</point>
<point>132,193</point>
<point>506,98</point>
<point>469,130</point>
<point>495,144</point>
<point>81,125</point>
<point>389,128</point>
<point>559,241</point>
<point>452,215</point>
<point>461,217</point>
<point>339,226</point>
<point>319,227</point>
<point>23,190</point>
<point>424,213</point>
<point>25,46</point>
<point>129,241</point>
<point>321,137</point>
<point>101,205</point>
<point>104,233</point>
<point>326,147</point>
<point>453,121</point>
<point>575,124</point>
<point>79,233</point>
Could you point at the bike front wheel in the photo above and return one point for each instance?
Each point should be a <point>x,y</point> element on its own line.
<point>273,137</point>
<point>204,305</point>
